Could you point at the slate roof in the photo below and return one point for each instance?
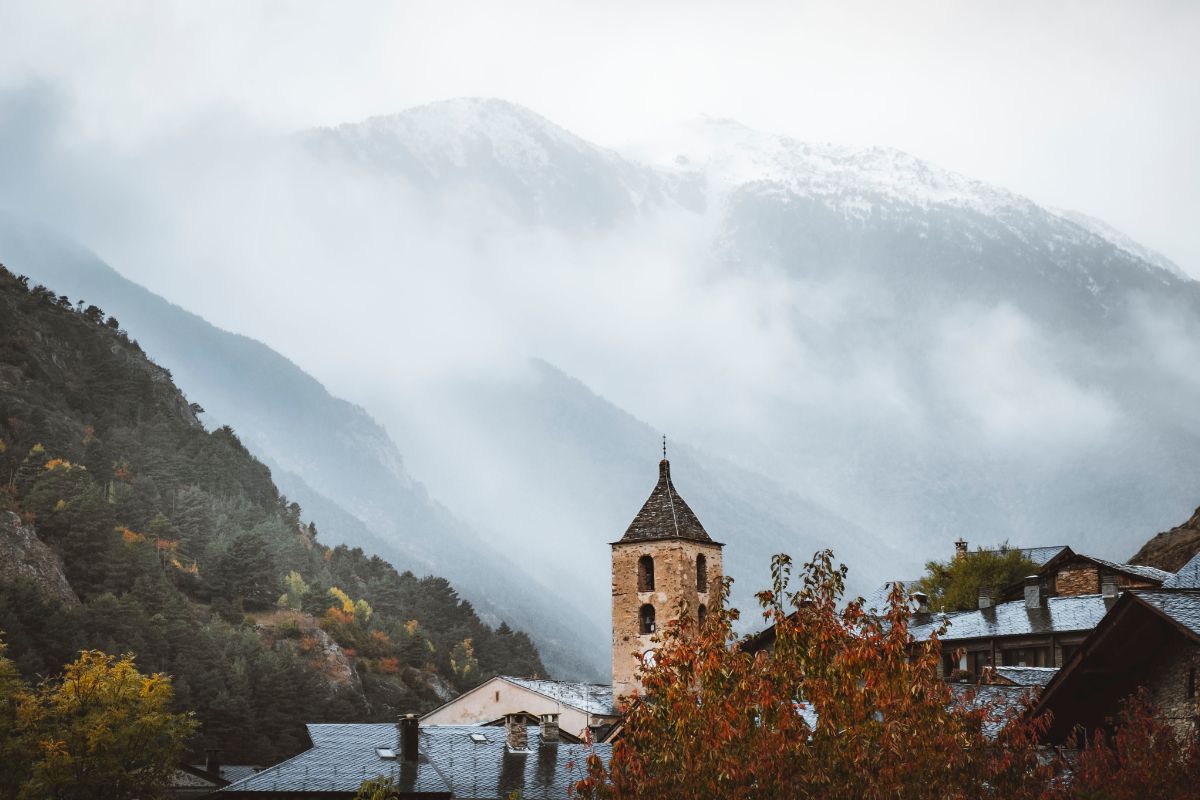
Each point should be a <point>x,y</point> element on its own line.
<point>451,762</point>
<point>1188,576</point>
<point>1058,615</point>
<point>591,698</point>
<point>1149,573</point>
<point>1027,676</point>
<point>1002,703</point>
<point>665,515</point>
<point>1038,555</point>
<point>878,599</point>
<point>1181,606</point>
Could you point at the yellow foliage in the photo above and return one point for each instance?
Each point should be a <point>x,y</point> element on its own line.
<point>58,463</point>
<point>37,448</point>
<point>3,446</point>
<point>131,537</point>
<point>106,715</point>
<point>343,598</point>
<point>410,627</point>
<point>60,505</point>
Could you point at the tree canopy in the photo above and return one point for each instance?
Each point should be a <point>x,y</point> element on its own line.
<point>954,585</point>
<point>101,730</point>
<point>847,704</point>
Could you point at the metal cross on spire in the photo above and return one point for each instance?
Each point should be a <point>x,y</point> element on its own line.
<point>664,447</point>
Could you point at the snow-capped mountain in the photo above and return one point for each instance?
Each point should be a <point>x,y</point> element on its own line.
<point>935,352</point>
<point>859,348</point>
<point>535,169</point>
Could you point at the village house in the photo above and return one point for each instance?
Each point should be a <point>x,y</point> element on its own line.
<point>1150,639</point>
<point>1038,622</point>
<point>584,709</point>
<point>434,762</point>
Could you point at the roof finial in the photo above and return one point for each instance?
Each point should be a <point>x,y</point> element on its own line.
<point>664,447</point>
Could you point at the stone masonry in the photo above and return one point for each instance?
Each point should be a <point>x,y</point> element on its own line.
<point>674,581</point>
<point>1176,670</point>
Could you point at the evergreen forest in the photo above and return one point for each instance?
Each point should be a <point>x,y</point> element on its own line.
<point>177,547</point>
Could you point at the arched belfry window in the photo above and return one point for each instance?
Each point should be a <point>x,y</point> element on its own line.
<point>701,573</point>
<point>702,614</point>
<point>645,574</point>
<point>646,619</point>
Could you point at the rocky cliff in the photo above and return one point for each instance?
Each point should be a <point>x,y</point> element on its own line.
<point>24,557</point>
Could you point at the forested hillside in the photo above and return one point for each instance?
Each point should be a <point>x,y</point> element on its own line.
<point>177,546</point>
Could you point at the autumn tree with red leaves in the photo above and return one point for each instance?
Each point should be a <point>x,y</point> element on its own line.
<point>846,705</point>
<point>1142,756</point>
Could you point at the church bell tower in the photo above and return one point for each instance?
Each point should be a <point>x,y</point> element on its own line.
<point>665,556</point>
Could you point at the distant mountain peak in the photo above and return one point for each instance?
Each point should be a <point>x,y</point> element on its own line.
<point>732,154</point>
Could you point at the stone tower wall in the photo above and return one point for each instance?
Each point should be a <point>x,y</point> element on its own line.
<point>674,579</point>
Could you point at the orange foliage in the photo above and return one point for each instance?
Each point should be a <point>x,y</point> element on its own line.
<point>381,637</point>
<point>131,537</point>
<point>882,723</point>
<point>339,616</point>
<point>166,545</point>
<point>122,472</point>
<point>387,666</point>
<point>58,463</point>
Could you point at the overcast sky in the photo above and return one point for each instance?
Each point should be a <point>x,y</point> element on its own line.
<point>1093,106</point>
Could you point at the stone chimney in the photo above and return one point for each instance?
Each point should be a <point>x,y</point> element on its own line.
<point>985,597</point>
<point>922,602</point>
<point>212,762</point>
<point>1108,587</point>
<point>549,727</point>
<point>960,548</point>
<point>515,735</point>
<point>410,728</point>
<point>1033,592</point>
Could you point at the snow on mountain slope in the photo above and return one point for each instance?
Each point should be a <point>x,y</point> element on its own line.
<point>1120,240</point>
<point>544,172</point>
<point>873,184</point>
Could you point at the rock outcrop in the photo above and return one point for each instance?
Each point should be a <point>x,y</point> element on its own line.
<point>1171,549</point>
<point>23,556</point>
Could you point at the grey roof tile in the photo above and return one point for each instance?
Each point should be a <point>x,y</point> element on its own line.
<point>1058,615</point>
<point>664,515</point>
<point>451,760</point>
<point>1002,703</point>
<point>591,698</point>
<point>1027,676</point>
<point>1150,573</point>
<point>1188,576</point>
<point>1038,555</point>
<point>1181,606</point>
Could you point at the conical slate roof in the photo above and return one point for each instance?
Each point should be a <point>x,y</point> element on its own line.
<point>665,515</point>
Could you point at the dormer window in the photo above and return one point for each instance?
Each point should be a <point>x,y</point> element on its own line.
<point>646,574</point>
<point>646,619</point>
<point>701,573</point>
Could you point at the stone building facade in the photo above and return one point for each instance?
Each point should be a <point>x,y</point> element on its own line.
<point>1149,639</point>
<point>665,564</point>
<point>1172,684</point>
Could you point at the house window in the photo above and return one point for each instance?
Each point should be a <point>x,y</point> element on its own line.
<point>949,664</point>
<point>978,661</point>
<point>645,574</point>
<point>702,615</point>
<point>701,573</point>
<point>1027,657</point>
<point>646,619</point>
